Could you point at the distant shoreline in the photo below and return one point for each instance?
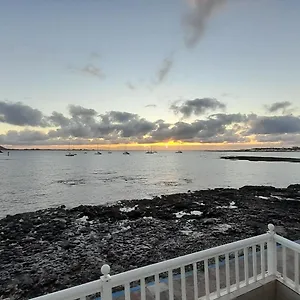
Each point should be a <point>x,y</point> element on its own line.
<point>292,149</point>
<point>263,158</point>
<point>56,248</point>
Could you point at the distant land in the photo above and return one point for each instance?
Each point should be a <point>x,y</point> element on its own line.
<point>269,149</point>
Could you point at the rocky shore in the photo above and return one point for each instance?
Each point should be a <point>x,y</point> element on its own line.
<point>49,250</point>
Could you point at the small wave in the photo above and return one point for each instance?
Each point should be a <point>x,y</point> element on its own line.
<point>123,178</point>
<point>72,182</point>
<point>101,172</point>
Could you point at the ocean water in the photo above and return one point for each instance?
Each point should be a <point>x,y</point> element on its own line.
<point>31,180</point>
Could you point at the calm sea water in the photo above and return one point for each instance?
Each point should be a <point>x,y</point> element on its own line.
<point>40,179</point>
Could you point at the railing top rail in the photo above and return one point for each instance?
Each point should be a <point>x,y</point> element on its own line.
<point>177,262</point>
<point>75,292</point>
<point>287,243</point>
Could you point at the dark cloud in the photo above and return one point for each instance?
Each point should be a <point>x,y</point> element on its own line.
<point>197,107</point>
<point>21,115</point>
<point>275,107</point>
<point>86,126</point>
<point>165,69</point>
<point>199,130</point>
<point>58,119</point>
<point>151,105</point>
<point>79,111</point>
<point>275,125</point>
<point>196,20</point>
<point>24,137</point>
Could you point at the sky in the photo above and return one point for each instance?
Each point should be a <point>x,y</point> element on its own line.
<point>205,74</point>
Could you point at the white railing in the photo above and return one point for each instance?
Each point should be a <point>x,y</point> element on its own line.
<point>287,262</point>
<point>207,274</point>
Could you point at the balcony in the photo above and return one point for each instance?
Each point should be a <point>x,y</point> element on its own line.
<point>262,267</point>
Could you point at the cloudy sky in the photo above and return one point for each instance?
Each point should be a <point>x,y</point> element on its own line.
<point>203,73</point>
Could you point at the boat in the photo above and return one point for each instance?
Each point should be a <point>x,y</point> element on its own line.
<point>70,154</point>
<point>150,151</point>
<point>109,152</point>
<point>85,152</point>
<point>126,153</point>
<point>98,152</point>
<point>1,151</point>
<point>179,151</point>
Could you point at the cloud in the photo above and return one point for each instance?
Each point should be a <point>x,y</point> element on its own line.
<point>275,125</point>
<point>89,70</point>
<point>197,18</point>
<point>95,55</point>
<point>130,85</point>
<point>200,130</point>
<point>151,105</point>
<point>79,111</point>
<point>21,114</point>
<point>275,107</point>
<point>24,137</point>
<point>289,139</point>
<point>197,107</point>
<point>58,119</point>
<point>164,69</point>
<point>83,125</point>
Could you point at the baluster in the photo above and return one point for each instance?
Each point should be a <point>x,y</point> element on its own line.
<point>272,252</point>
<point>183,283</point>
<point>157,287</point>
<point>237,269</point>
<point>217,276</point>
<point>171,288</point>
<point>296,257</point>
<point>262,260</point>
<point>143,289</point>
<point>254,262</point>
<point>227,273</point>
<point>246,266</point>
<point>106,289</point>
<point>206,276</point>
<point>284,262</point>
<point>127,291</point>
<point>195,281</point>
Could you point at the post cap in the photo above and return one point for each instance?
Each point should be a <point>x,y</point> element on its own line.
<point>105,270</point>
<point>271,227</point>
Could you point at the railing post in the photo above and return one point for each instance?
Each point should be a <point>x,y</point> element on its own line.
<point>271,248</point>
<point>106,288</point>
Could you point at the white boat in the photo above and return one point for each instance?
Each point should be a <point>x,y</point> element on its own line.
<point>70,154</point>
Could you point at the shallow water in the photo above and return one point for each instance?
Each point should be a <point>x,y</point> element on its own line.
<point>32,180</point>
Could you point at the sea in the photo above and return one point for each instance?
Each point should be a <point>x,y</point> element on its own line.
<point>32,180</point>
